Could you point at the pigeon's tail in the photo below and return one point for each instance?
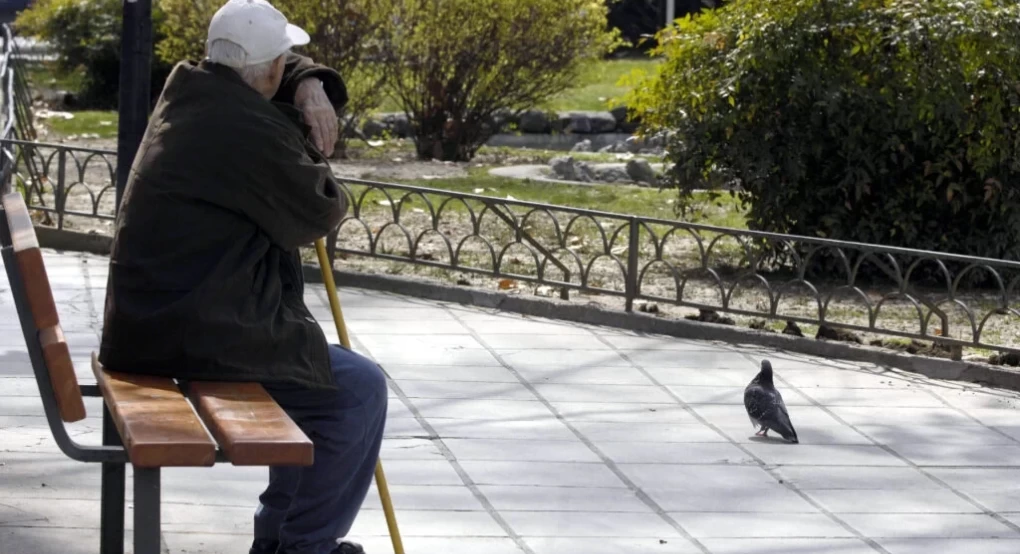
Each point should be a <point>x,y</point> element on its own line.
<point>784,426</point>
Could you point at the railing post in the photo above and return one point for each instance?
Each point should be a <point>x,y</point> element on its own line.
<point>135,85</point>
<point>631,286</point>
<point>60,201</point>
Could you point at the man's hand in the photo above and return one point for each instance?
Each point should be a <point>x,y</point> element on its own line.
<point>319,114</point>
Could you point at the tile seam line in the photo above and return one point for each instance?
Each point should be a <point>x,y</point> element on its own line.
<point>607,462</point>
<point>465,478</point>
<point>916,467</point>
<point>874,545</point>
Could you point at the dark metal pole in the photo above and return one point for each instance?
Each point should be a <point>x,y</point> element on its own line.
<point>135,86</point>
<point>111,507</point>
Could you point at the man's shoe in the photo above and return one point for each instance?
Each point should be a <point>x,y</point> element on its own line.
<point>264,546</point>
<point>348,547</point>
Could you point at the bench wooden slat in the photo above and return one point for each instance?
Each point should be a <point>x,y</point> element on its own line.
<point>156,422</point>
<point>65,383</point>
<point>249,425</point>
<point>32,270</point>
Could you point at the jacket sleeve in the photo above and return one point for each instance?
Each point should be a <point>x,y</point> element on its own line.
<point>298,68</point>
<point>292,198</point>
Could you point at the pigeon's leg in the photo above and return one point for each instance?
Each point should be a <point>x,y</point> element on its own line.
<point>761,432</point>
<point>764,431</point>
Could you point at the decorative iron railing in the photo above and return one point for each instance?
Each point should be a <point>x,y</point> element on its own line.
<point>945,298</point>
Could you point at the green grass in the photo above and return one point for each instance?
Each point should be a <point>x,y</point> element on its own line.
<point>647,202</point>
<point>102,123</point>
<point>598,87</point>
<point>46,75</point>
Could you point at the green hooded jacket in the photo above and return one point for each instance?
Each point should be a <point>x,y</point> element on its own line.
<point>205,279</point>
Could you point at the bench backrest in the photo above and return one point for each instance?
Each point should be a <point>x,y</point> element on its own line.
<point>39,298</point>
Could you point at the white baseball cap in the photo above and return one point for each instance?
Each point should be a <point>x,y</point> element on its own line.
<point>257,27</point>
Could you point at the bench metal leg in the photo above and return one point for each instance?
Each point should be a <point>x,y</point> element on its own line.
<point>147,511</point>
<point>112,505</point>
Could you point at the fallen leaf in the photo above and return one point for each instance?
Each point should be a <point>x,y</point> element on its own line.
<point>505,284</point>
<point>544,290</point>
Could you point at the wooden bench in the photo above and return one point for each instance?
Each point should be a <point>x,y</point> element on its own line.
<point>149,422</point>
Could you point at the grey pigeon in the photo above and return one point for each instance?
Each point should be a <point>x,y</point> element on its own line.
<point>765,405</point>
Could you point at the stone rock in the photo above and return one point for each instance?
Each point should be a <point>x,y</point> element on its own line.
<point>710,316</point>
<point>583,146</point>
<point>586,122</point>
<point>503,119</point>
<point>623,124</point>
<point>568,169</point>
<point>611,175</point>
<point>534,121</point>
<point>374,128</point>
<point>793,329</point>
<point>398,124</point>
<point>618,147</point>
<point>641,171</point>
<point>831,333</point>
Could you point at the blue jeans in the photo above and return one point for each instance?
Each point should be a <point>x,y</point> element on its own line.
<point>308,508</point>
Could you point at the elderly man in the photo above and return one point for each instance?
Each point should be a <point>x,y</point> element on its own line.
<point>205,278</point>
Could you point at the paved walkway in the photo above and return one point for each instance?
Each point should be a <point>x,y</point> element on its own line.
<point>510,434</point>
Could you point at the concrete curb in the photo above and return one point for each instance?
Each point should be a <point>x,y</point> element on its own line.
<point>937,368</point>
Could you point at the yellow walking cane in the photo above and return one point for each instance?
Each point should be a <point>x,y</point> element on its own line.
<point>341,331</point>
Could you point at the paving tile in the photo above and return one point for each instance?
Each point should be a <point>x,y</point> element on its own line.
<point>521,450</point>
<point>717,359</point>
<point>429,523</point>
<point>541,428</point>
<point>542,473</point>
<point>960,455</point>
<point>602,393</point>
<point>902,501</point>
<point>563,499</point>
<point>951,546</point>
<point>760,525</point>
<point>979,479</point>
<point>472,408</point>
<point>597,375</point>
<point>787,546</point>
<point>486,373</point>
<point>685,477</point>
<point>465,389</point>
<point>589,524</point>
<point>632,342</point>
<point>647,432</point>
<point>774,498</point>
<point>901,398</point>
<point>936,436</point>
<point>541,360</point>
<point>783,453</point>
<point>673,453</point>
<point>728,395</point>
<point>531,341</point>
<point>861,415</point>
<point>969,526</point>
<point>433,356</point>
<point>622,412</point>
<point>855,478</point>
<point>712,377</point>
<point>610,545</point>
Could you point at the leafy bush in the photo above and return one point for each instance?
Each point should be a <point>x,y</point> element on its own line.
<point>343,32</point>
<point>86,36</point>
<point>885,121</point>
<point>451,64</point>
